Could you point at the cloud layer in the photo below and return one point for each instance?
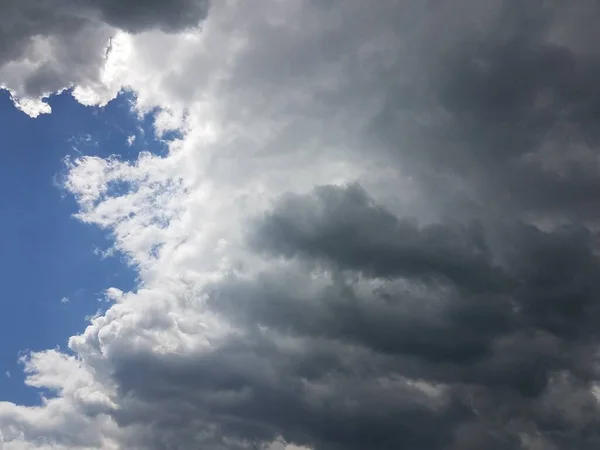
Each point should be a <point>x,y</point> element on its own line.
<point>378,230</point>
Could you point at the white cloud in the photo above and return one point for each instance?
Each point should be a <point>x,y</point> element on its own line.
<point>46,47</point>
<point>270,96</point>
<point>180,221</point>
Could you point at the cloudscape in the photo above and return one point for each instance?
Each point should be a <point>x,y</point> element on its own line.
<point>348,224</point>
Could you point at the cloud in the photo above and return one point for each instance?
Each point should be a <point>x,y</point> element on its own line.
<point>514,110</point>
<point>47,47</point>
<point>378,229</point>
<point>345,227</point>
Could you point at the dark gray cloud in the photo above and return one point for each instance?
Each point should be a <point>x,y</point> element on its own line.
<point>508,114</point>
<point>139,15</point>
<point>252,389</point>
<point>49,46</point>
<point>539,280</point>
<point>505,343</point>
<point>349,324</point>
<point>475,331</point>
<point>345,227</point>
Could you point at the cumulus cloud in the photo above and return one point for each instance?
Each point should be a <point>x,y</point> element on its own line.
<point>49,46</point>
<point>378,229</point>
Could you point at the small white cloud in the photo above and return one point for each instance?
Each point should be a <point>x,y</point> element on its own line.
<point>7,373</point>
<point>131,140</point>
<point>113,294</point>
<point>103,254</point>
<point>64,300</point>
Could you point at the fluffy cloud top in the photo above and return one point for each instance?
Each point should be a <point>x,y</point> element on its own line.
<point>377,230</point>
<point>47,46</point>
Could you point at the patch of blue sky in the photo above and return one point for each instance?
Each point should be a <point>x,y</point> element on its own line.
<point>52,271</point>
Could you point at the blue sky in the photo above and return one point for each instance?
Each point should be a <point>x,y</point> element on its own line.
<point>47,255</point>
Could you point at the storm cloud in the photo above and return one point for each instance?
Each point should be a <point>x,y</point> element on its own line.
<point>382,233</point>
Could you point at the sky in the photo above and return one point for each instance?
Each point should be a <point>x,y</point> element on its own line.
<point>54,272</point>
<point>299,225</point>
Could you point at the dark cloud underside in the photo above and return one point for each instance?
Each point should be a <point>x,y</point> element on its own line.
<point>500,128</point>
